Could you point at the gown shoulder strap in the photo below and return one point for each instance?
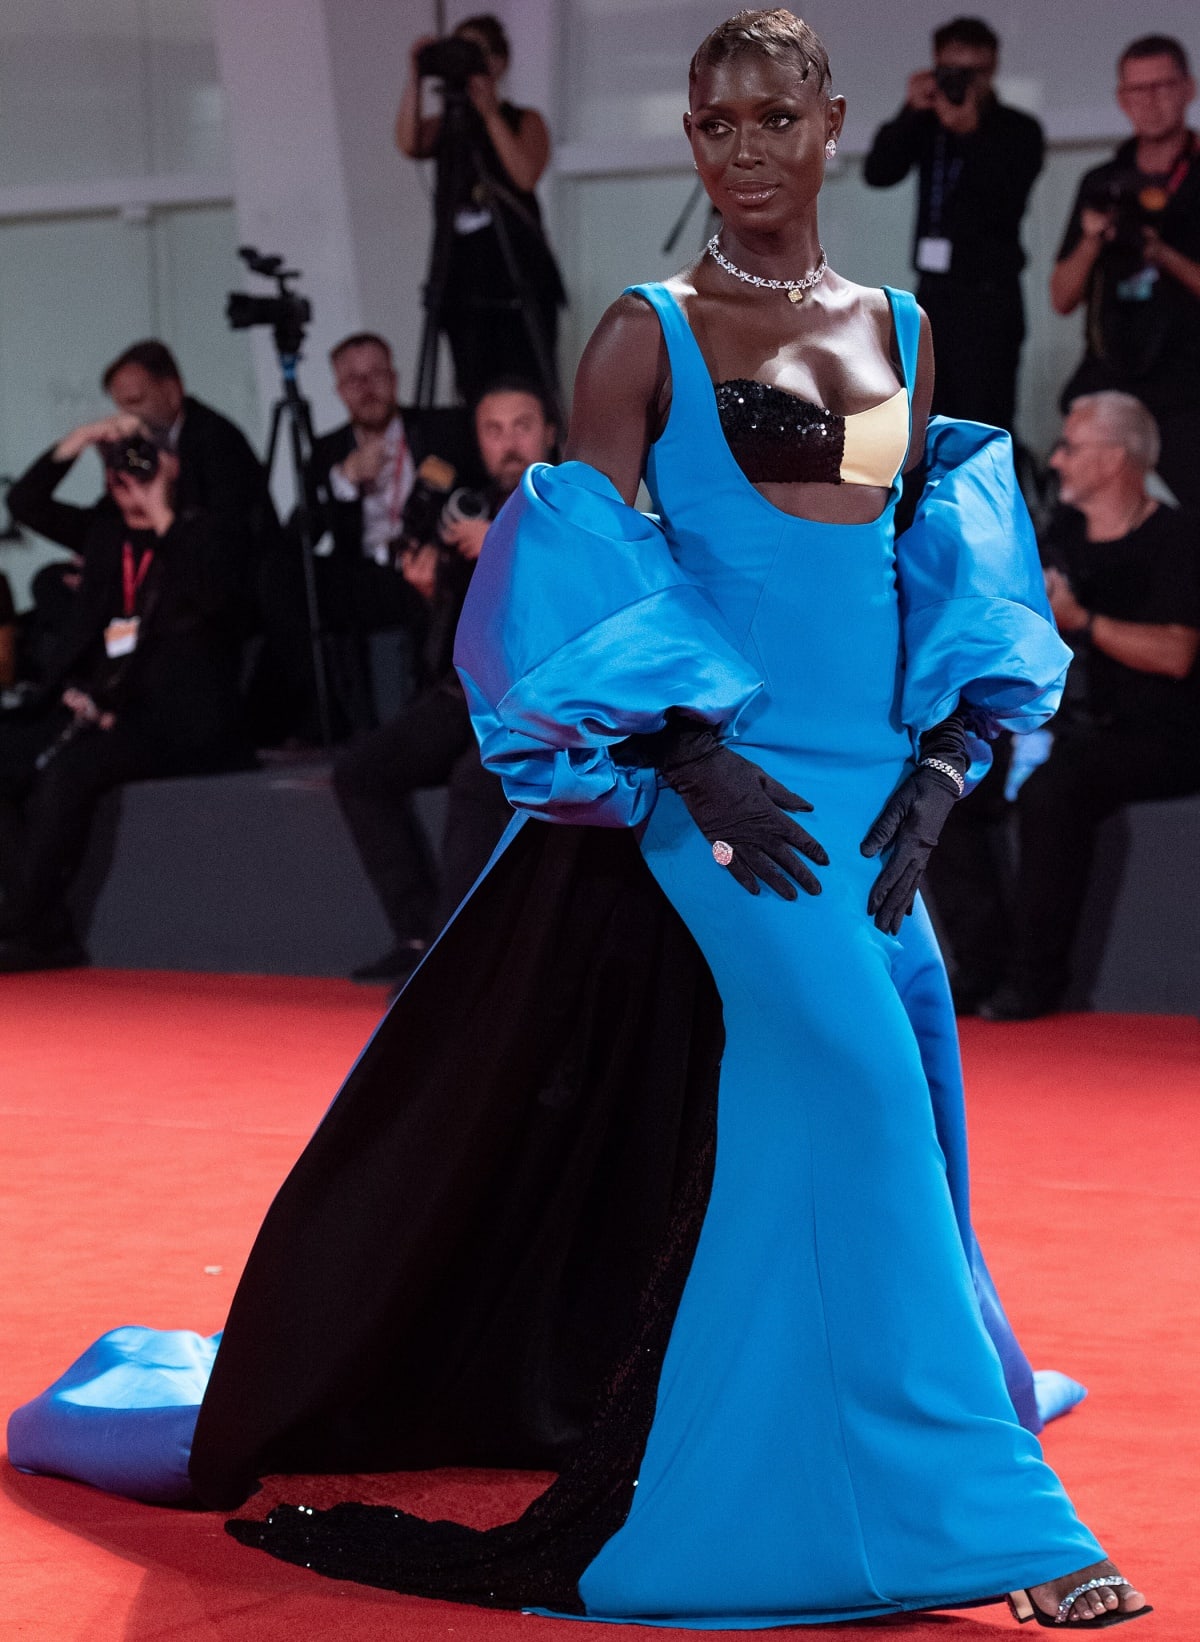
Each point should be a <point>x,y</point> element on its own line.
<point>689,373</point>
<point>906,316</point>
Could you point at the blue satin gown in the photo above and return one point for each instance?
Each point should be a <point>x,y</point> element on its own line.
<point>832,1435</point>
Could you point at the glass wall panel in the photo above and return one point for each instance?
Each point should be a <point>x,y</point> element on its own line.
<point>110,88</point>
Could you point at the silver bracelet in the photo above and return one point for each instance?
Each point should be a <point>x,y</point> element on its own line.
<point>946,769</point>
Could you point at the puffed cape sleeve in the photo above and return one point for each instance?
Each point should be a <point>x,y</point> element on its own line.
<point>976,620</point>
<point>580,629</point>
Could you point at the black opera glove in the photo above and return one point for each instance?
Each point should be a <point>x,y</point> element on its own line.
<point>912,820</point>
<point>735,803</point>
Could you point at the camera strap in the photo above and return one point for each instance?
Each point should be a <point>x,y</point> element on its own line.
<point>397,490</point>
<point>1163,193</point>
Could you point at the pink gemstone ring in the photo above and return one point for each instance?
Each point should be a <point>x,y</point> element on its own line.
<point>722,853</point>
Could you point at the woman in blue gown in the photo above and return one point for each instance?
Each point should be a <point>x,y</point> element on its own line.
<point>811,1414</point>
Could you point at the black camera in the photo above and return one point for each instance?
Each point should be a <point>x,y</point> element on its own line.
<point>1133,205</point>
<point>423,506</point>
<point>954,83</point>
<point>136,456</point>
<point>452,60</point>
<point>463,506</point>
<point>287,312</point>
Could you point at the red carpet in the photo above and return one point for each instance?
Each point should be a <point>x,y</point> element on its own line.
<point>146,1120</point>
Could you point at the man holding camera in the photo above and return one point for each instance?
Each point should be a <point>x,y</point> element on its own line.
<point>1124,584</point>
<point>144,683</point>
<point>977,161</point>
<point>1131,256</point>
<point>361,479</point>
<point>218,470</point>
<point>431,742</point>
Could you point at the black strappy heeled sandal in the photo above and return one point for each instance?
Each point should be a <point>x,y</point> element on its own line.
<point>1023,1608</point>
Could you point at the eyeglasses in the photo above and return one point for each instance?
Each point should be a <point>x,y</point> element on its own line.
<point>359,379</point>
<point>1070,446</point>
<point>1150,88</point>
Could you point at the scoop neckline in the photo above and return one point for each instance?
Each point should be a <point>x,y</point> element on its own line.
<point>727,455</point>
<point>842,416</point>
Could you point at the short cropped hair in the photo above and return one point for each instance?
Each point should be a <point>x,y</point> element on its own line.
<point>1155,45</point>
<point>779,35</point>
<point>967,31</point>
<point>518,384</point>
<point>1127,423</point>
<point>492,31</point>
<point>359,339</point>
<point>154,357</point>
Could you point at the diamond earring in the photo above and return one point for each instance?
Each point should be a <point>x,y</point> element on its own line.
<point>830,148</point>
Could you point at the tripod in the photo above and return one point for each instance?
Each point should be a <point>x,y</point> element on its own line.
<point>293,409</point>
<point>459,163</point>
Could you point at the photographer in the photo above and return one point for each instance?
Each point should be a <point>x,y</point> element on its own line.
<point>144,682</point>
<point>218,470</point>
<point>1124,584</point>
<point>1131,256</point>
<point>977,161</point>
<point>509,150</point>
<point>359,482</point>
<point>432,742</point>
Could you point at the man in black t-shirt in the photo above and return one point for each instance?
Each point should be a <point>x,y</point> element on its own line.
<point>1131,257</point>
<point>976,161</point>
<point>1124,584</point>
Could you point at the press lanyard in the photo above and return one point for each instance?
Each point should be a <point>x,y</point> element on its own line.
<point>395,500</point>
<point>132,578</point>
<point>943,180</point>
<point>1178,172</point>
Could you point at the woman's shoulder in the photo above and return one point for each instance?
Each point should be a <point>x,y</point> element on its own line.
<point>877,301</point>
<point>627,346</point>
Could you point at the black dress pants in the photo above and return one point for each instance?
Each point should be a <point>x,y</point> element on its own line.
<point>430,744</point>
<point>977,334</point>
<point>46,814</point>
<point>1090,774</point>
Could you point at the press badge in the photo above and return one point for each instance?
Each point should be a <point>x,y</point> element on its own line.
<point>1138,287</point>
<point>933,255</point>
<point>121,636</point>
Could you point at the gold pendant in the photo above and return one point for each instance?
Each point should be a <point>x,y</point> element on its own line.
<point>795,294</point>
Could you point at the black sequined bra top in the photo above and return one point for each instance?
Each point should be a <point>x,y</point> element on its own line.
<point>777,437</point>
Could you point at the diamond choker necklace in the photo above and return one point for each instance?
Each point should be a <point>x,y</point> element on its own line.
<point>795,288</point>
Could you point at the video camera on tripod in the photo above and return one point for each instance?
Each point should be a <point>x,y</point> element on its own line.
<point>287,312</point>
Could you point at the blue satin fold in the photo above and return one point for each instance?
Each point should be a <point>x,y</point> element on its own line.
<point>122,1416</point>
<point>580,629</point>
<point>976,620</point>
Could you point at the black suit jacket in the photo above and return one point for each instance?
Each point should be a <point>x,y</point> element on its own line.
<point>440,431</point>
<point>219,474</point>
<point>180,687</point>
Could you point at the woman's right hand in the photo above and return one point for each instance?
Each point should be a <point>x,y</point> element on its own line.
<point>739,808</point>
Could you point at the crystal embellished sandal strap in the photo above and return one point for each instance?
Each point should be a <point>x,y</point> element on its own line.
<point>1064,1607</point>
